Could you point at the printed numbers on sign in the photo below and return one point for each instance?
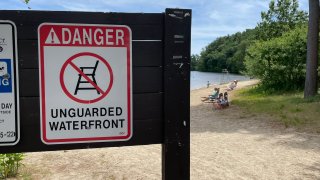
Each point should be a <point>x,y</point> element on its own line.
<point>7,134</point>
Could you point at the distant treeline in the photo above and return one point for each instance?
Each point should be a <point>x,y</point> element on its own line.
<point>225,52</point>
<point>274,51</point>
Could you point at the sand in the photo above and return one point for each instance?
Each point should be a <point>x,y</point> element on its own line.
<point>225,144</point>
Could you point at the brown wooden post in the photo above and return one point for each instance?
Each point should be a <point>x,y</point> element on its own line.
<point>311,82</point>
<point>176,146</point>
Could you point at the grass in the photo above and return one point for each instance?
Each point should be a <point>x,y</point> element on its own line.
<point>289,108</point>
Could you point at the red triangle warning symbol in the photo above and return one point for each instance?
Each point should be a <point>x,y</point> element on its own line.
<point>52,38</point>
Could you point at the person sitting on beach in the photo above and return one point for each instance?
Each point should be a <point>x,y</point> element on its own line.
<point>232,85</point>
<point>222,101</point>
<point>212,96</point>
<point>217,104</point>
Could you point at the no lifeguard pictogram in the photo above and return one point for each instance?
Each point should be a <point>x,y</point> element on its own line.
<point>83,71</point>
<point>85,83</point>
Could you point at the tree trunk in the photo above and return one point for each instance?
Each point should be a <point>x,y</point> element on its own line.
<point>311,88</point>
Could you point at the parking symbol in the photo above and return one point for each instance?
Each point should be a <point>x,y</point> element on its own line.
<point>5,76</point>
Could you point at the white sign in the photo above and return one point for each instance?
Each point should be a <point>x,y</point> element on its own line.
<point>9,90</point>
<point>85,83</point>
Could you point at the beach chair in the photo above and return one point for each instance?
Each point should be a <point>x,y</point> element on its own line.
<point>212,97</point>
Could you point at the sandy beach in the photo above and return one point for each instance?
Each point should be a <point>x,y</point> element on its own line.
<point>225,144</point>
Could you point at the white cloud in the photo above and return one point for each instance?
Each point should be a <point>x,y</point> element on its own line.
<point>216,15</point>
<point>244,8</point>
<point>213,31</point>
<point>82,7</point>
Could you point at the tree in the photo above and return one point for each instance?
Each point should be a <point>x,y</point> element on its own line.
<point>194,61</point>
<point>312,50</point>
<point>281,17</point>
<point>278,56</point>
<point>279,62</point>
<point>226,52</point>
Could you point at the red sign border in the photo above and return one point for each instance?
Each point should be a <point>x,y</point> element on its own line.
<point>41,45</point>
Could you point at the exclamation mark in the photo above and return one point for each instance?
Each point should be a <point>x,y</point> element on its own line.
<point>52,35</point>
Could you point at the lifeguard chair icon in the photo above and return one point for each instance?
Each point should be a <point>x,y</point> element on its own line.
<point>90,72</point>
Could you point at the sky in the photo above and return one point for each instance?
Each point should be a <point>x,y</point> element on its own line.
<point>210,18</point>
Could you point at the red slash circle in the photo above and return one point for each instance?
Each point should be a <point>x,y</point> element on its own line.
<point>102,92</point>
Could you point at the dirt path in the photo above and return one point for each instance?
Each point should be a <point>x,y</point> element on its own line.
<point>225,144</point>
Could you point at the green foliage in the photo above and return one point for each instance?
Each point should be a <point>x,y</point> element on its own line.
<point>288,108</point>
<point>281,17</point>
<point>278,57</point>
<point>280,62</point>
<point>226,52</point>
<point>9,164</point>
<point>26,1</point>
<point>194,61</point>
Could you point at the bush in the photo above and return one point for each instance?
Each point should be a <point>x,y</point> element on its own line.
<point>280,62</point>
<point>9,164</point>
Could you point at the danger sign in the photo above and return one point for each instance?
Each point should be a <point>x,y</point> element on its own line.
<point>85,83</point>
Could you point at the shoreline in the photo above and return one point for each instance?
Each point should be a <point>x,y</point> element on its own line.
<point>196,94</point>
<point>199,79</point>
<point>241,84</point>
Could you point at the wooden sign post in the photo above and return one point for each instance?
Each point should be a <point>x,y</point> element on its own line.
<point>176,146</point>
<point>153,80</point>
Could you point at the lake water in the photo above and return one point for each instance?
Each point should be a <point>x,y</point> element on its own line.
<point>200,79</point>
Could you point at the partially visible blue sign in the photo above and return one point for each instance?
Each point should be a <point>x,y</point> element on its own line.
<point>5,76</point>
